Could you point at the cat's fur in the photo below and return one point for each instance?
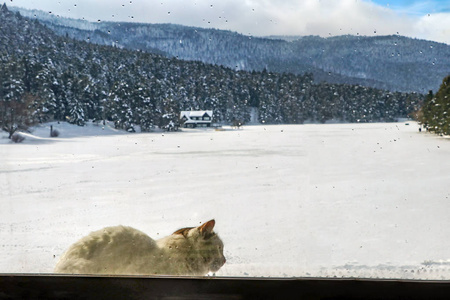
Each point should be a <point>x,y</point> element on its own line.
<point>128,251</point>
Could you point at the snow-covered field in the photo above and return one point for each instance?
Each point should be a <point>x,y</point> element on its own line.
<point>369,200</point>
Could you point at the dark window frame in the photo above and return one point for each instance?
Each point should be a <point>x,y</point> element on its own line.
<point>49,286</point>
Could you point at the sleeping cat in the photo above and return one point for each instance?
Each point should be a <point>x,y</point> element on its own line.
<point>125,250</point>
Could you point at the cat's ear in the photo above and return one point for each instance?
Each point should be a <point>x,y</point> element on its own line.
<point>183,231</point>
<point>206,230</point>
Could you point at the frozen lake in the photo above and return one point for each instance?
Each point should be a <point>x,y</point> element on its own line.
<point>369,200</point>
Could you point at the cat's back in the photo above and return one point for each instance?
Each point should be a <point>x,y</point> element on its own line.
<point>108,238</point>
<point>111,246</point>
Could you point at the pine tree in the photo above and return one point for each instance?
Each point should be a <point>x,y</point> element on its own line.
<point>435,112</point>
<point>442,108</point>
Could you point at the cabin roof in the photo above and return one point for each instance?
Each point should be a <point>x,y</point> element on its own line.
<point>196,113</point>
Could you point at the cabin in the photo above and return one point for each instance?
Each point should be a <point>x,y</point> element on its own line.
<point>196,118</point>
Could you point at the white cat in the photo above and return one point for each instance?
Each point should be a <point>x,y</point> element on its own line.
<point>128,251</point>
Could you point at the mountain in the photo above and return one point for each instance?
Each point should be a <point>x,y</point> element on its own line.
<point>79,81</point>
<point>394,63</point>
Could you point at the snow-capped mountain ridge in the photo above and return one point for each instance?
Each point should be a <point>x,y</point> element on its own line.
<point>395,63</point>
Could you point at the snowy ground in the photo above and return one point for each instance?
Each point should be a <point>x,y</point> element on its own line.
<point>369,200</point>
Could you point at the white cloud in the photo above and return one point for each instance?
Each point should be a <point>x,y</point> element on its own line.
<point>261,17</point>
<point>311,17</point>
<point>434,27</point>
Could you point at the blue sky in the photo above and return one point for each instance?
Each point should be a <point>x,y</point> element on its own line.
<point>416,7</point>
<point>428,19</point>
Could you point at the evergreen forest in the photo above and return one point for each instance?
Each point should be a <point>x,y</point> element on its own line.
<point>54,77</point>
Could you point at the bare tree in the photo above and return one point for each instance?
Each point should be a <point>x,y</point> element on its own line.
<point>17,114</point>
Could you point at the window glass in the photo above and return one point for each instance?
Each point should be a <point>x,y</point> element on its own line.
<point>263,138</point>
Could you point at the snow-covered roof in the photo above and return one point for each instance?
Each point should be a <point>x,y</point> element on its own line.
<point>196,113</point>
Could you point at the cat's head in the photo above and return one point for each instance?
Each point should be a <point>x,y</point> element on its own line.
<point>205,246</point>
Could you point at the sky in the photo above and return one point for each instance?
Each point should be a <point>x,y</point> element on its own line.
<point>427,19</point>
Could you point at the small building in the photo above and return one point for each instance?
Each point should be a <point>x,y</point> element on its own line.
<point>196,118</point>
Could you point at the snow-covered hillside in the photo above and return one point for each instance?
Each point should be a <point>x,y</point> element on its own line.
<point>395,63</point>
<point>368,200</point>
